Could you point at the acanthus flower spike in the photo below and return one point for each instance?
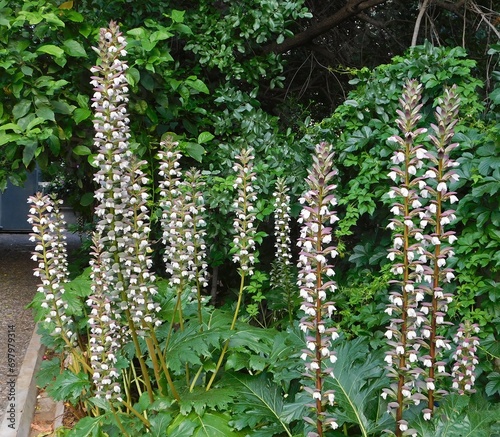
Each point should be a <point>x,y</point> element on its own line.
<point>438,239</point>
<point>315,283</point>
<point>50,253</point>
<point>406,253</point>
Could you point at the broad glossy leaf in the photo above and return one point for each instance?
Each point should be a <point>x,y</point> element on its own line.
<point>177,16</point>
<point>197,85</point>
<point>87,427</point>
<point>21,109</point>
<point>201,400</point>
<point>188,345</point>
<point>8,138</point>
<point>29,151</point>
<point>45,112</point>
<point>358,381</point>
<point>51,49</point>
<point>181,427</point>
<point>205,137</point>
<point>74,48</point>
<point>68,386</point>
<point>61,107</point>
<point>81,114</point>
<point>260,403</point>
<point>49,370</point>
<point>159,424</point>
<point>66,5</point>
<point>458,416</point>
<point>493,385</point>
<point>195,151</point>
<point>81,150</point>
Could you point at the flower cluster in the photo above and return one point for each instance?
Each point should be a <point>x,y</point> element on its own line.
<point>463,371</point>
<point>50,253</point>
<point>282,223</point>
<point>422,246</point>
<point>408,255</point>
<point>123,226</point>
<point>243,249</point>
<point>123,288</point>
<point>182,220</point>
<point>105,331</point>
<point>314,266</point>
<point>438,240</point>
<point>113,156</point>
<point>282,277</point>
<point>137,248</point>
<point>193,187</point>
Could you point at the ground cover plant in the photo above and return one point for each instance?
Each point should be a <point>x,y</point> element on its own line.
<point>142,354</point>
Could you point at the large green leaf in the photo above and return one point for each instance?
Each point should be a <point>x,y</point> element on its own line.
<point>29,150</point>
<point>213,424</point>
<point>259,405</point>
<point>188,345</point>
<point>493,386</point>
<point>199,399</point>
<point>68,386</point>
<point>51,49</point>
<point>87,427</point>
<point>159,424</point>
<point>49,370</point>
<point>210,424</point>
<point>45,113</point>
<point>358,381</point>
<point>21,109</point>
<point>459,416</point>
<point>74,48</point>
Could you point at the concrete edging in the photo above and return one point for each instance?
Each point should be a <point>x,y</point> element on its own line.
<point>25,391</point>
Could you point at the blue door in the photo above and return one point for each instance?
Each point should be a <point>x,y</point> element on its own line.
<point>14,206</point>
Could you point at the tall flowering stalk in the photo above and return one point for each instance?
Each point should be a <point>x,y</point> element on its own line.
<point>436,218</point>
<point>315,286</point>
<point>408,257</point>
<point>173,220</point>
<point>123,226</point>
<point>281,269</point>
<point>197,247</point>
<point>105,331</point>
<point>50,253</point>
<point>182,225</point>
<point>465,356</point>
<point>243,245</point>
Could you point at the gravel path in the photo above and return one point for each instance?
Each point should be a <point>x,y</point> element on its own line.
<point>17,288</point>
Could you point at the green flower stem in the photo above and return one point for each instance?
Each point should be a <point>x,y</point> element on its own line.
<point>163,364</point>
<point>136,414</point>
<point>154,359</point>
<point>233,324</point>
<point>193,383</point>
<point>142,363</point>
<point>118,421</point>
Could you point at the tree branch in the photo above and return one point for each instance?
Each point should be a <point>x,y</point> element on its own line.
<point>350,10</point>
<point>416,29</point>
<point>452,7</point>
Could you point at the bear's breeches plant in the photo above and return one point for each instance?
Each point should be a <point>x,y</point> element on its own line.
<point>316,285</point>
<point>422,246</point>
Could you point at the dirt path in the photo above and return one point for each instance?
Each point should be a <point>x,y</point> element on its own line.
<point>17,289</point>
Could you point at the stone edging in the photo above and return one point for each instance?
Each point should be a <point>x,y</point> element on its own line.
<point>19,425</point>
